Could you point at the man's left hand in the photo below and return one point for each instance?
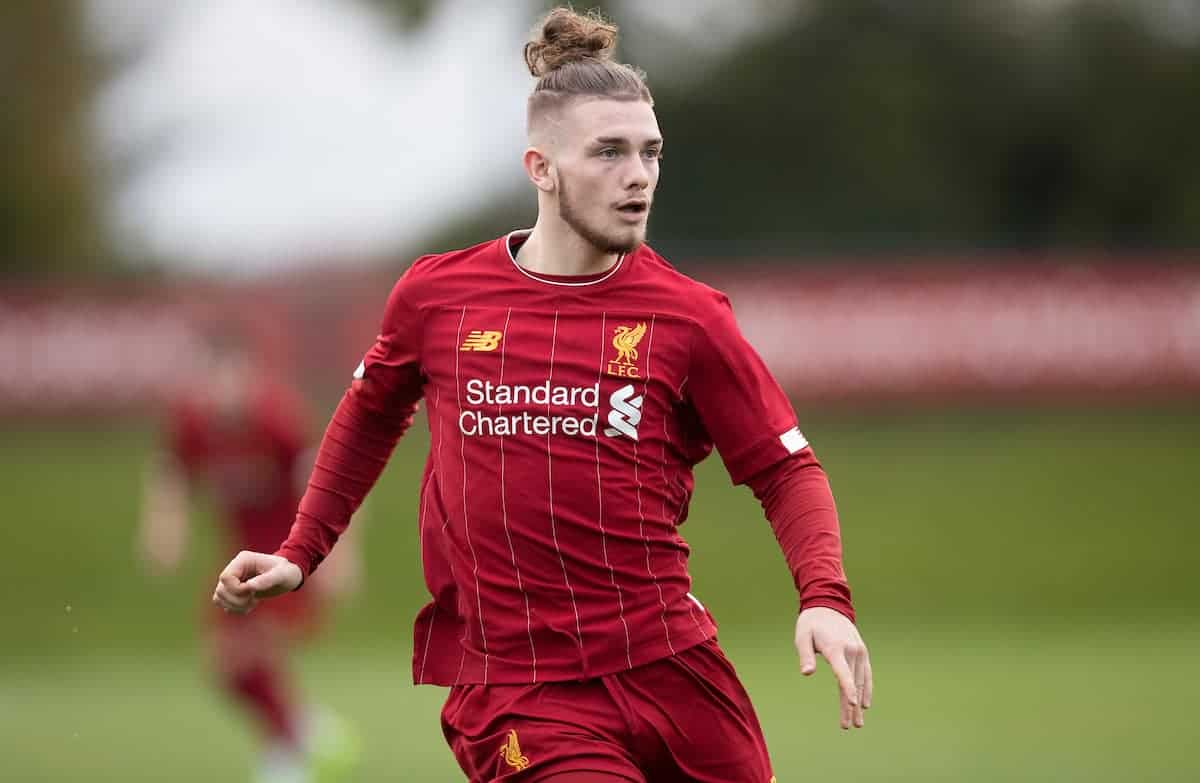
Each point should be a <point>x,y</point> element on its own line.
<point>830,633</point>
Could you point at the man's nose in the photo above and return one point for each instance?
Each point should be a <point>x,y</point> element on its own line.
<point>637,174</point>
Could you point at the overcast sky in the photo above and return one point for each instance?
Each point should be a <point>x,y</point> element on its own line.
<point>261,132</point>
<point>253,134</point>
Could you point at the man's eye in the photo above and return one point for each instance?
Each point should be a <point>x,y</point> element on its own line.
<point>653,154</point>
<point>608,153</point>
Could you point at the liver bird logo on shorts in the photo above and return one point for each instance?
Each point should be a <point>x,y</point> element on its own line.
<point>510,751</point>
<point>625,340</point>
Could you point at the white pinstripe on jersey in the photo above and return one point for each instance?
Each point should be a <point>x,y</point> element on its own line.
<point>550,495</point>
<point>466,519</point>
<point>600,504</point>
<point>504,512</point>
<point>638,482</point>
<point>445,523</point>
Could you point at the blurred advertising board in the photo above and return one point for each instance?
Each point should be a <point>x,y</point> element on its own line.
<point>837,332</point>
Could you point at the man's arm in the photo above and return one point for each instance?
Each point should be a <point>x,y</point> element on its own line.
<point>371,417</point>
<point>798,502</point>
<point>352,455</point>
<point>752,423</point>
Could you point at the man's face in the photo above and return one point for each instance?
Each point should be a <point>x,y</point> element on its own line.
<point>606,157</point>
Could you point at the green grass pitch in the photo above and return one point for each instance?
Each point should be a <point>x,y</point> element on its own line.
<point>1026,582</point>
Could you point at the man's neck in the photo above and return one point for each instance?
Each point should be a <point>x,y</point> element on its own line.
<point>554,249</point>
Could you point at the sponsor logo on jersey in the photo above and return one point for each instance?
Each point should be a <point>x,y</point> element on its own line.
<point>625,340</point>
<point>510,751</point>
<point>505,410</point>
<point>626,413</point>
<point>480,340</point>
<point>480,421</point>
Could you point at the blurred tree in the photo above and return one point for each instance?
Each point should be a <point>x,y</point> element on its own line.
<point>48,213</point>
<point>410,13</point>
<point>883,125</point>
<point>1133,98</point>
<point>878,124</point>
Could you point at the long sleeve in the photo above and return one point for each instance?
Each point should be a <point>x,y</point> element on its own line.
<point>373,414</point>
<point>354,450</point>
<point>752,424</point>
<point>798,502</point>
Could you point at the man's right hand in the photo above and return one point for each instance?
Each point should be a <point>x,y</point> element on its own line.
<point>254,575</point>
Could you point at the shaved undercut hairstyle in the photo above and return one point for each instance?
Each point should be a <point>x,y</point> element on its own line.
<point>571,55</point>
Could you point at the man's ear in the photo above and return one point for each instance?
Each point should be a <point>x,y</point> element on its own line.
<point>540,170</point>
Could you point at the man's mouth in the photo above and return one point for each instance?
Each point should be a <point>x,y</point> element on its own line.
<point>633,207</point>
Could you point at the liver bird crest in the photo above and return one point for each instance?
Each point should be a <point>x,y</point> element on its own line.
<point>625,340</point>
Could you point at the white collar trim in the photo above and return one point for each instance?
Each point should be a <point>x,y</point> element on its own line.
<point>532,276</point>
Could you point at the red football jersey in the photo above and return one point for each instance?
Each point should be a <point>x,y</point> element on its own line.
<point>247,463</point>
<point>565,415</point>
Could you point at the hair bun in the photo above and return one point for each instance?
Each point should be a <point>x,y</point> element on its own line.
<point>564,36</point>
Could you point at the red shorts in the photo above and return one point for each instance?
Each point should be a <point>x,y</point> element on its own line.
<point>683,718</point>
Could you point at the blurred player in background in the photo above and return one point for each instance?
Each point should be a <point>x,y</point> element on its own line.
<point>240,435</point>
<point>573,379</point>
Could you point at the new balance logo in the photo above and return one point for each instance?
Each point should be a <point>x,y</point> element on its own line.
<point>481,341</point>
<point>626,413</point>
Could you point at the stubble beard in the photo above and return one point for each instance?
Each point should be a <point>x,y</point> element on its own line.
<point>605,243</point>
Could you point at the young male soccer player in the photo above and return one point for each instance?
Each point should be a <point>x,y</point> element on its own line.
<point>243,438</point>
<point>572,380</point>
